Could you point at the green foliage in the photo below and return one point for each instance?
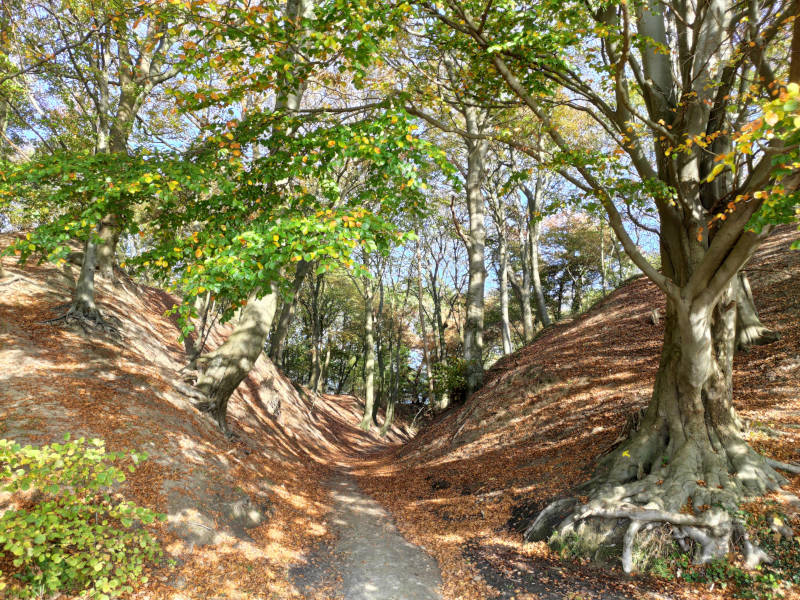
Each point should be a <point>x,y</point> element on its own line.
<point>766,582</point>
<point>68,193</point>
<point>71,533</point>
<point>450,377</point>
<point>780,120</point>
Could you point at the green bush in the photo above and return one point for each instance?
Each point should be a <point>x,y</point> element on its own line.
<point>72,533</point>
<point>450,377</point>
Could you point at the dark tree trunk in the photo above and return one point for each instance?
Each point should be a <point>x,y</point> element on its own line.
<point>278,339</point>
<point>322,380</point>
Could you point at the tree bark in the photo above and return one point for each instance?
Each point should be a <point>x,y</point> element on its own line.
<point>749,329</point>
<point>227,366</point>
<point>426,359</point>
<point>393,396</point>
<point>535,201</point>
<point>278,339</point>
<point>83,304</point>
<point>505,322</point>
<point>473,327</point>
<point>322,380</point>
<point>369,357</point>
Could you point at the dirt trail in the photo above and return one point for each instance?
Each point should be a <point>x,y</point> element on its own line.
<point>369,559</point>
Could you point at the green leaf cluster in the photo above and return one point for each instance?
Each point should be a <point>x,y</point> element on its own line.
<point>72,533</point>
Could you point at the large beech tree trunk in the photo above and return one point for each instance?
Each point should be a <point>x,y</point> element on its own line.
<point>473,327</point>
<point>688,465</point>
<point>689,447</point>
<point>227,366</point>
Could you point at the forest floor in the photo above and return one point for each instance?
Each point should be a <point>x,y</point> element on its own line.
<point>303,504</point>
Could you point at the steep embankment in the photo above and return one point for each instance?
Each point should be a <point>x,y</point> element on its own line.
<point>465,486</point>
<point>240,513</point>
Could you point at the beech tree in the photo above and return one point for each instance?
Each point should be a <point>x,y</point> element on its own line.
<point>101,62</point>
<point>697,110</point>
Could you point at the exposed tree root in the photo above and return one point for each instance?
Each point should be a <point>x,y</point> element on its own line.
<point>788,467</point>
<point>756,335</point>
<point>89,321</point>
<point>669,495</point>
<point>194,394</point>
<point>749,329</point>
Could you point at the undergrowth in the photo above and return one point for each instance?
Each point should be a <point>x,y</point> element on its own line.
<point>765,582</point>
<point>67,531</point>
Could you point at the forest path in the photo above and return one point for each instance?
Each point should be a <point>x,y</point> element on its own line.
<point>368,559</point>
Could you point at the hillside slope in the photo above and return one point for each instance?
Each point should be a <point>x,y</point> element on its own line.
<point>239,513</point>
<point>466,486</point>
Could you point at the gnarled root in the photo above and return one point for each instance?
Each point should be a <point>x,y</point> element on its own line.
<point>695,498</point>
<point>88,319</point>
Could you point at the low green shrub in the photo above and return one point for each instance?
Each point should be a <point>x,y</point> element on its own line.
<point>71,533</point>
<point>767,582</point>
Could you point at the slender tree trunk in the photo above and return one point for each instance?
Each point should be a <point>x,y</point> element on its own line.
<point>278,339</point>
<point>351,363</point>
<point>322,380</point>
<point>426,359</point>
<point>473,327</point>
<point>369,357</point>
<point>194,347</point>
<point>559,298</point>
<point>393,396</point>
<point>227,366</point>
<point>505,321</point>
<point>316,333</point>
<point>577,295</point>
<point>535,201</point>
<point>498,211</point>
<point>522,290</point>
<point>603,257</point>
<point>379,343</point>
